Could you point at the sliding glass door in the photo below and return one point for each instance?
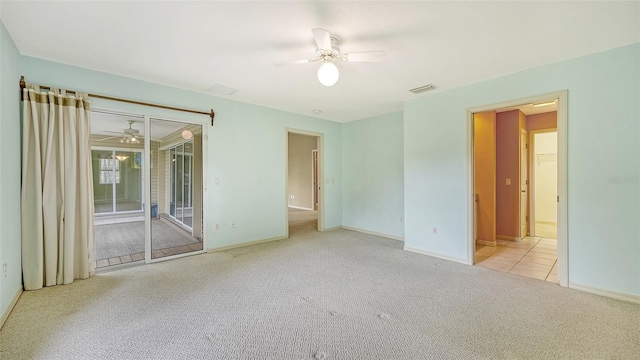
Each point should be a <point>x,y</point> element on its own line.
<point>176,154</point>
<point>117,180</point>
<point>148,188</point>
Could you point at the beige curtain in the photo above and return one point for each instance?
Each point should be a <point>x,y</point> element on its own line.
<point>57,189</point>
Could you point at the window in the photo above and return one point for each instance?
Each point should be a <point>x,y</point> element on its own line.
<point>107,167</point>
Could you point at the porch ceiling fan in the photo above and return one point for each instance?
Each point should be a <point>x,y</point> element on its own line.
<point>328,52</point>
<point>127,136</point>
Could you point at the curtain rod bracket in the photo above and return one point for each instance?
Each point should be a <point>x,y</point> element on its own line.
<point>22,86</point>
<point>212,115</point>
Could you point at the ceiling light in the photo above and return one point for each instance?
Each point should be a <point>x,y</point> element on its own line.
<point>121,157</point>
<point>186,134</point>
<point>328,74</point>
<point>130,139</point>
<point>546,103</point>
<point>317,111</point>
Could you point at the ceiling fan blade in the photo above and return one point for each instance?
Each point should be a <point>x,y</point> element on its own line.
<point>323,38</point>
<point>366,56</point>
<point>294,62</point>
<point>113,132</point>
<point>107,138</point>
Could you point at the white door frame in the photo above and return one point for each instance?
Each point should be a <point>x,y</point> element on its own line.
<point>562,97</point>
<point>532,189</point>
<point>320,148</point>
<point>525,167</point>
<point>314,178</point>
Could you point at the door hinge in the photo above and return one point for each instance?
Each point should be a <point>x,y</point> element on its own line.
<point>558,198</point>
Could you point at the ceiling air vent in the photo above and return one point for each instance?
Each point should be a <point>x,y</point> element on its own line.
<point>422,89</point>
<point>221,89</point>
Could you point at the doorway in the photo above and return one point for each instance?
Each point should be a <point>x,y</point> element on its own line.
<point>495,241</point>
<point>544,181</point>
<point>148,181</point>
<point>303,181</point>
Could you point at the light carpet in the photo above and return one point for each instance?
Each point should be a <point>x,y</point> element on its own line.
<point>128,238</point>
<point>333,295</point>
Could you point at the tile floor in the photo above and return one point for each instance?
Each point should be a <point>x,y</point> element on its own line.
<point>546,230</point>
<point>158,253</point>
<point>533,257</point>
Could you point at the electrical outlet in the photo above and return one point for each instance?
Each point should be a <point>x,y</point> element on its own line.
<point>435,230</point>
<point>5,270</point>
<point>217,226</point>
<point>292,197</point>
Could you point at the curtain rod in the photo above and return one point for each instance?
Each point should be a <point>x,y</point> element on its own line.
<point>211,114</point>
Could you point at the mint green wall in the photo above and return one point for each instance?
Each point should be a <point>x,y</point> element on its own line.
<point>603,163</point>
<point>372,167</point>
<point>246,150</point>
<point>10,168</point>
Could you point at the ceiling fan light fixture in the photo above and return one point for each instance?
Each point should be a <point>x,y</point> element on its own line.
<point>328,73</point>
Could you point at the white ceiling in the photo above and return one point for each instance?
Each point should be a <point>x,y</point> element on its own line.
<point>194,45</point>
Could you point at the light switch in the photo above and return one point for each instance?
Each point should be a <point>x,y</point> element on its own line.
<point>508,182</point>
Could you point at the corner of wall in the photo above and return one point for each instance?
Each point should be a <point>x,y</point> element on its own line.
<point>10,170</point>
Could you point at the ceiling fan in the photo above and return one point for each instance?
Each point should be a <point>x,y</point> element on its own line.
<point>328,52</point>
<point>127,136</point>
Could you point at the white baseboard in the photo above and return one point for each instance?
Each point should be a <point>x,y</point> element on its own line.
<point>486,242</point>
<point>606,293</point>
<point>436,255</point>
<point>393,237</point>
<point>300,207</point>
<point>229,247</point>
<point>6,313</point>
<point>334,228</point>
<point>507,237</point>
